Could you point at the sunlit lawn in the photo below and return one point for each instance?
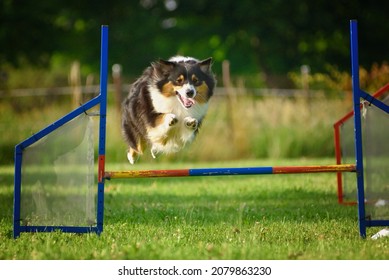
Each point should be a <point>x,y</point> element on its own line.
<point>241,217</point>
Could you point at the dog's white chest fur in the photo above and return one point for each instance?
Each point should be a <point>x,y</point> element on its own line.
<point>180,124</point>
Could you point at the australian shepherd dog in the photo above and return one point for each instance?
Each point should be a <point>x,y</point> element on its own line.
<point>166,105</point>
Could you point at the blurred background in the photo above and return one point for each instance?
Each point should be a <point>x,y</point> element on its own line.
<point>282,67</point>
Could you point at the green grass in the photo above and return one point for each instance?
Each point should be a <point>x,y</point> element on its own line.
<point>250,217</point>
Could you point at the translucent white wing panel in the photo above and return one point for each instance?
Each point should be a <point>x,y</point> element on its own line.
<point>57,182</point>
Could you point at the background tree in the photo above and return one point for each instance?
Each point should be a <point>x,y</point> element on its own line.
<point>273,37</point>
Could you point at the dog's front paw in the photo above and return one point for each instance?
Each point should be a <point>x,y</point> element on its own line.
<point>170,119</point>
<point>191,123</point>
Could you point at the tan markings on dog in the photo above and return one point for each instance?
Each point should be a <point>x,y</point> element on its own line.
<point>168,90</point>
<point>139,147</point>
<point>194,79</point>
<point>162,130</point>
<point>132,152</point>
<point>180,79</point>
<point>202,93</point>
<point>138,150</point>
<point>161,141</point>
<point>159,120</point>
<point>177,88</point>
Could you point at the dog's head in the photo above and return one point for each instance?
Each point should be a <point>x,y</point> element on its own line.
<point>189,80</point>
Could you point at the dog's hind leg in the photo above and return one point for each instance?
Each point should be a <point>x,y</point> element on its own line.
<point>132,155</point>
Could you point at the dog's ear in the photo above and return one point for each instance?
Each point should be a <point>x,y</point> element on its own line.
<point>163,66</point>
<point>205,65</point>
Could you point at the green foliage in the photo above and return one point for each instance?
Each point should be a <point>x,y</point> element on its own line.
<point>30,76</point>
<point>56,74</point>
<point>258,128</point>
<point>245,127</point>
<point>333,80</point>
<point>252,217</point>
<point>274,37</point>
<point>374,79</point>
<point>266,128</point>
<point>18,121</point>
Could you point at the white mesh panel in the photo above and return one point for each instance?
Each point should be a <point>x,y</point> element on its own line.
<point>58,177</point>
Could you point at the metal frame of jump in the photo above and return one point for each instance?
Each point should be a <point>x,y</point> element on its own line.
<point>359,94</point>
<point>338,149</point>
<point>105,175</point>
<point>101,100</point>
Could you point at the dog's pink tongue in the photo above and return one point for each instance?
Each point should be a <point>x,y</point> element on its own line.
<point>188,102</point>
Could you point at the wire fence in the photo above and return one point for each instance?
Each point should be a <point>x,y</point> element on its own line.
<point>219,91</point>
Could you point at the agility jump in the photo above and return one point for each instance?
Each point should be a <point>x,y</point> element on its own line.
<point>230,171</point>
<point>29,183</point>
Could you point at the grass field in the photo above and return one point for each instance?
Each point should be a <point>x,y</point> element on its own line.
<point>250,217</point>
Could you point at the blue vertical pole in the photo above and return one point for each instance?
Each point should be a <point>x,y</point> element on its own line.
<point>357,127</point>
<point>17,190</point>
<point>103,120</point>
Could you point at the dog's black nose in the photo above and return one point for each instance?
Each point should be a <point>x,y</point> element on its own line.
<point>190,93</point>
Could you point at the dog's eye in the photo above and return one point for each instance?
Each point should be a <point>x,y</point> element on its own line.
<point>180,80</point>
<point>195,80</point>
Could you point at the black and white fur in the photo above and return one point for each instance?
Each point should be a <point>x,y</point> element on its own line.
<point>166,105</point>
